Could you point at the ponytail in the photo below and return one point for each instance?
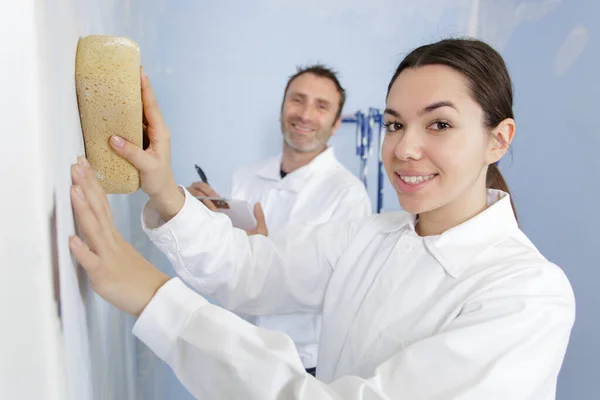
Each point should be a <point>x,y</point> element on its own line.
<point>495,180</point>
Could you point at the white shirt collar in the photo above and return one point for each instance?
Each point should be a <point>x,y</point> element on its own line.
<point>458,247</point>
<point>295,180</point>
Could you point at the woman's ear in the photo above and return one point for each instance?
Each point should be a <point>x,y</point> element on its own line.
<point>502,136</point>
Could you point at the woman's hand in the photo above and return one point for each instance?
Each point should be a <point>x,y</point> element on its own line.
<point>116,271</point>
<point>154,163</point>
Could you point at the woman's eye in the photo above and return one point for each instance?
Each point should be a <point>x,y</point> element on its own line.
<point>393,126</point>
<point>440,126</point>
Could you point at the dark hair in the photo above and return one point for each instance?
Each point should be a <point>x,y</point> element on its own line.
<point>490,83</point>
<point>322,72</point>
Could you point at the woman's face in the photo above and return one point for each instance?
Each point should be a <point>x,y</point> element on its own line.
<point>436,150</point>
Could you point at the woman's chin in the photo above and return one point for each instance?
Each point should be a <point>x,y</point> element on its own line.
<point>413,205</point>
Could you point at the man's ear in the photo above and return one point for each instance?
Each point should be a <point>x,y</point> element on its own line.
<point>502,137</point>
<point>336,125</point>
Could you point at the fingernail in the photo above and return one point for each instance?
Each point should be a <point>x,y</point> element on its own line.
<point>82,161</point>
<point>76,241</point>
<point>117,141</point>
<point>79,192</point>
<point>143,72</point>
<point>79,170</point>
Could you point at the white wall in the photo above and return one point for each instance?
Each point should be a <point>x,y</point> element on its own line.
<point>77,347</point>
<point>30,356</point>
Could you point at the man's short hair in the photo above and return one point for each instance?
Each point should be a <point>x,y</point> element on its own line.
<point>322,72</point>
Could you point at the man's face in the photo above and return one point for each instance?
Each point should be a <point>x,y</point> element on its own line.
<point>308,116</point>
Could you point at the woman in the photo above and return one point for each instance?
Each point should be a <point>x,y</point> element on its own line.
<point>448,300</point>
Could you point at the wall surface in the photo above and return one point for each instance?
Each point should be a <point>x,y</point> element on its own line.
<point>100,352</point>
<point>219,70</point>
<point>64,342</point>
<point>552,48</point>
<point>31,359</point>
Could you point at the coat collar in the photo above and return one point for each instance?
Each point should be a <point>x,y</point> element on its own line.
<point>458,247</point>
<point>295,181</point>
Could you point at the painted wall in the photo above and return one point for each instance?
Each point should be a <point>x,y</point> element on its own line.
<point>62,340</point>
<point>219,71</point>
<point>552,48</point>
<point>30,354</point>
<point>221,68</point>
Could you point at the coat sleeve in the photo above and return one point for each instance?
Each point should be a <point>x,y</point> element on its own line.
<point>253,275</point>
<point>507,343</point>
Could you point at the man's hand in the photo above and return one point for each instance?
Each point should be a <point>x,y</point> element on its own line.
<point>261,225</point>
<point>201,189</point>
<point>116,271</point>
<point>154,163</point>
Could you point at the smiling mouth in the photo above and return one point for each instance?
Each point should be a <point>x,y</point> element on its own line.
<point>302,128</point>
<point>416,179</point>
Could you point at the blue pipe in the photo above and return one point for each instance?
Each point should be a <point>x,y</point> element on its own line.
<point>364,137</point>
<point>362,145</point>
<point>377,118</point>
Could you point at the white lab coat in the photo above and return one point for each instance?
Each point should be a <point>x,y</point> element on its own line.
<point>321,191</point>
<point>474,313</point>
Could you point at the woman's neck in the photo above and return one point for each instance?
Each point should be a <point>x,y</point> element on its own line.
<point>460,210</point>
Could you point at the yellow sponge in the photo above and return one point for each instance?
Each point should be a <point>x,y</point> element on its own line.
<point>107,77</point>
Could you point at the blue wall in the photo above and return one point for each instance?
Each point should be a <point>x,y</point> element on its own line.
<point>554,59</point>
<point>219,69</point>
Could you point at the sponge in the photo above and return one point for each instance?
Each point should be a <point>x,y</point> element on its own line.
<point>107,78</point>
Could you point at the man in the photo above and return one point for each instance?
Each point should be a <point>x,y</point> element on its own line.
<point>304,186</point>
